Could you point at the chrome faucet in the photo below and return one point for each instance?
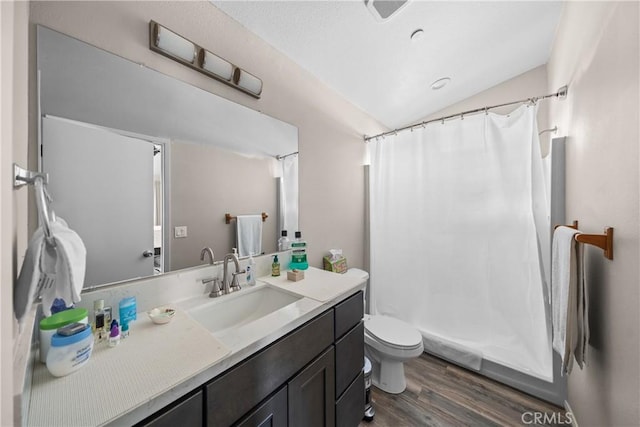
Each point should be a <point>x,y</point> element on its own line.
<point>207,251</point>
<point>233,285</point>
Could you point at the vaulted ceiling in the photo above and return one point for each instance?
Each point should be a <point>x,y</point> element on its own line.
<point>376,64</point>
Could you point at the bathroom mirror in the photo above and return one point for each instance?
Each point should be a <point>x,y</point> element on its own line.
<point>201,156</point>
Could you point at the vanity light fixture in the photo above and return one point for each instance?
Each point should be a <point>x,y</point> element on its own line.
<point>247,81</point>
<point>215,65</point>
<point>170,44</point>
<point>176,47</point>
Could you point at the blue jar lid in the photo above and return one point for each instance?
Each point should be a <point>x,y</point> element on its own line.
<point>61,341</point>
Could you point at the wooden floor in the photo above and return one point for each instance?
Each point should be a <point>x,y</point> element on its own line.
<point>442,394</point>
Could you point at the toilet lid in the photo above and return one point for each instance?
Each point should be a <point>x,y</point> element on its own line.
<point>393,331</point>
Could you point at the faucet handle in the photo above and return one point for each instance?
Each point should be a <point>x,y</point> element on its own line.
<point>215,290</point>
<point>235,285</point>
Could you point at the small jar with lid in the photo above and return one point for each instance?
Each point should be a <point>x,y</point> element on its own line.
<point>49,326</point>
<point>68,353</point>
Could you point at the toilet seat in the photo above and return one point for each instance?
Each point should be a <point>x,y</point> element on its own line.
<point>392,332</point>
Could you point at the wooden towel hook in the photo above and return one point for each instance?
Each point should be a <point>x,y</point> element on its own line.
<point>603,241</point>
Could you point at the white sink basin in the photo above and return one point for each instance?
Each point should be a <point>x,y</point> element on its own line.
<point>229,312</point>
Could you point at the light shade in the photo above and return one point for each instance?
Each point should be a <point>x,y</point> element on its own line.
<point>247,81</point>
<point>216,65</point>
<point>174,44</point>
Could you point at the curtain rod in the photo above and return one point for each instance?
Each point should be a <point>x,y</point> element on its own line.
<point>561,94</point>
<point>278,157</point>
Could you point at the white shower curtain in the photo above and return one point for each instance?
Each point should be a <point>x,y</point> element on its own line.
<point>454,244</point>
<point>288,194</point>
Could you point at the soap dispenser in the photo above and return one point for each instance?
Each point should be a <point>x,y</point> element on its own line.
<point>275,267</point>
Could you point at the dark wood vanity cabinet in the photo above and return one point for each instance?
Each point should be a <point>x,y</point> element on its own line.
<point>310,377</point>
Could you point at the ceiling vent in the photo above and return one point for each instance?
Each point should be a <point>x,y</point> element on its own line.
<point>384,9</point>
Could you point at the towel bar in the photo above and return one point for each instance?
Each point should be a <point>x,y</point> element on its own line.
<point>603,241</point>
<point>228,217</point>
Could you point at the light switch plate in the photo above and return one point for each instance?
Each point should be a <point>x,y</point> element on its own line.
<point>180,231</point>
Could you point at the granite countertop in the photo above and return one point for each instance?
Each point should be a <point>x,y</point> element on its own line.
<point>157,364</point>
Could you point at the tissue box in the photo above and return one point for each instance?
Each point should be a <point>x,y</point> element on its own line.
<point>337,266</point>
<point>295,275</point>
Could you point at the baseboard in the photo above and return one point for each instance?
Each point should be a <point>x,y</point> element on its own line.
<point>567,407</point>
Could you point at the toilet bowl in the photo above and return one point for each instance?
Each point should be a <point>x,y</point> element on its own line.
<point>389,343</point>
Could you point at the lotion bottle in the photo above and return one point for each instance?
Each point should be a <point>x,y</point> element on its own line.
<point>251,271</point>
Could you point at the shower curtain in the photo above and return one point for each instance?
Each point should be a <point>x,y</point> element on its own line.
<point>288,194</point>
<point>454,243</point>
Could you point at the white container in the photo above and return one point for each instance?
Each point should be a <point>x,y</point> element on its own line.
<point>50,325</point>
<point>67,354</point>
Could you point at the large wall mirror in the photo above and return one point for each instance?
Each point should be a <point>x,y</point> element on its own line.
<point>144,167</point>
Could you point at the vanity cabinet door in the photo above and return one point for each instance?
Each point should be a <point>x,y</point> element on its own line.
<point>272,413</point>
<point>187,413</point>
<point>312,394</point>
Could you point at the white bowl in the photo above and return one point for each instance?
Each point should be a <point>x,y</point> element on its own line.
<point>161,315</point>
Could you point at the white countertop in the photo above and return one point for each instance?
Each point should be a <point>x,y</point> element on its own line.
<point>317,284</point>
<point>157,364</point>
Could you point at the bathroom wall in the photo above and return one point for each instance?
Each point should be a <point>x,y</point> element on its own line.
<point>206,183</point>
<point>13,148</point>
<point>330,129</point>
<point>596,53</point>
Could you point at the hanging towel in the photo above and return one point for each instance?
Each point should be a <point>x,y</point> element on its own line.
<point>70,266</point>
<point>583,311</point>
<point>568,297</point>
<point>249,235</point>
<point>64,264</point>
<point>26,287</point>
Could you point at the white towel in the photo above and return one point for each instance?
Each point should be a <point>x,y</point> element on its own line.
<point>249,235</point>
<point>568,296</point>
<point>70,266</point>
<point>26,287</point>
<point>65,263</point>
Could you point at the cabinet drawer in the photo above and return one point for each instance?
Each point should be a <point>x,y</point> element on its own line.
<point>272,413</point>
<point>234,393</point>
<point>348,313</point>
<point>350,407</point>
<point>349,357</point>
<point>187,413</point>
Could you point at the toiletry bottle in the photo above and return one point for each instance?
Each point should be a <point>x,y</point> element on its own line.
<point>114,335</point>
<point>127,308</point>
<point>251,271</point>
<point>283,242</point>
<point>98,319</point>
<point>275,267</point>
<point>125,331</point>
<point>299,253</point>
<point>107,317</point>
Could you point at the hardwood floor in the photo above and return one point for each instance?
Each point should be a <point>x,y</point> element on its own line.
<point>442,394</point>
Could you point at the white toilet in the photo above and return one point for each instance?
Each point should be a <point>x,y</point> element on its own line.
<point>388,343</point>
